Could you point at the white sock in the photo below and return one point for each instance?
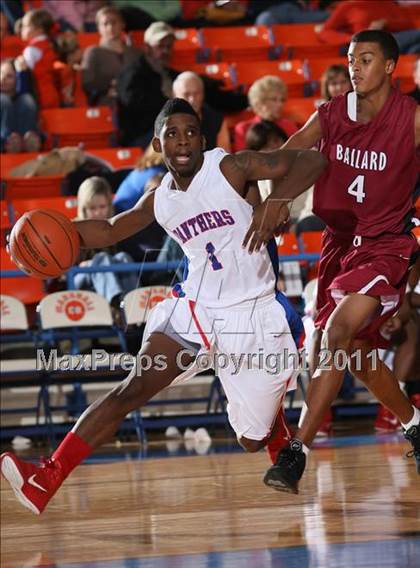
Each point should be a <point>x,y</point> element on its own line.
<point>305,449</point>
<point>415,420</point>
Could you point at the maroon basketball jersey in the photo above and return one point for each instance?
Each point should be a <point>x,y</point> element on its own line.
<point>368,187</point>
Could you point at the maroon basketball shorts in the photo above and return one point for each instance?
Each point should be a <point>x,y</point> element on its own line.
<point>372,266</point>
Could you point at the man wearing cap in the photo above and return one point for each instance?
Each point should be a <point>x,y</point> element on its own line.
<point>145,85</point>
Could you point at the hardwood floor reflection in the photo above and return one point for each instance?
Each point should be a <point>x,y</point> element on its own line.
<point>140,508</point>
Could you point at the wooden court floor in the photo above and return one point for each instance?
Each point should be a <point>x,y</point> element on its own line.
<point>359,506</point>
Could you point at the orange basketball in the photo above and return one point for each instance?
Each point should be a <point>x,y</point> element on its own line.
<point>44,243</point>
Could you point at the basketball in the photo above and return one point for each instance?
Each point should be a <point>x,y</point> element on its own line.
<point>44,243</point>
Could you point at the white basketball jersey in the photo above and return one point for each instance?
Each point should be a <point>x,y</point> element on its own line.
<point>209,222</point>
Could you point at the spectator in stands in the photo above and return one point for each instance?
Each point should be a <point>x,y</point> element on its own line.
<point>19,112</point>
<point>145,85</point>
<point>415,93</point>
<point>133,186</point>
<point>354,16</point>
<point>68,68</point>
<point>266,98</point>
<point>94,201</point>
<point>291,12</point>
<point>190,86</point>
<point>73,15</point>
<point>101,64</point>
<point>335,81</point>
<point>39,55</point>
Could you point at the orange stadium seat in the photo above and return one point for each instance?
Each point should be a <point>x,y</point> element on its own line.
<point>404,72</point>
<point>311,243</point>
<point>136,37</point>
<point>299,110</point>
<point>11,46</point>
<point>300,41</point>
<point>288,244</point>
<point>221,71</point>
<point>26,289</point>
<point>22,187</point>
<point>91,127</point>
<point>187,48</point>
<point>66,205</point>
<point>117,158</point>
<point>237,43</point>
<point>5,221</point>
<point>86,39</point>
<point>291,72</point>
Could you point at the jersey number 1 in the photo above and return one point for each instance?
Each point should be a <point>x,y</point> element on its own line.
<point>215,264</point>
<point>356,188</point>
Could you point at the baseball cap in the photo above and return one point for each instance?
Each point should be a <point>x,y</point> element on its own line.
<point>157,31</point>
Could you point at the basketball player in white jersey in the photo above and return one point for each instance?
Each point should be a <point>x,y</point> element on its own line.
<point>227,305</point>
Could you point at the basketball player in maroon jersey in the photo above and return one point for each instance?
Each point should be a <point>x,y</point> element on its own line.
<point>365,197</point>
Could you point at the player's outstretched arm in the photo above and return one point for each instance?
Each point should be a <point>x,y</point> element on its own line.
<point>292,172</point>
<point>102,234</point>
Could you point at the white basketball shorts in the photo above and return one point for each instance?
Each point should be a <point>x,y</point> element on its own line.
<point>249,346</point>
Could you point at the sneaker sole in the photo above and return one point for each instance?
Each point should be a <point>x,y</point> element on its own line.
<point>14,477</point>
<point>279,485</point>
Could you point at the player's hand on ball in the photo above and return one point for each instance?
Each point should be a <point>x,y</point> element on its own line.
<point>266,220</point>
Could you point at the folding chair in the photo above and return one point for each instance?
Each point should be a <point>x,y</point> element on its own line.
<point>63,314</point>
<point>76,315</point>
<point>292,73</point>
<point>91,127</point>
<point>13,319</point>
<point>16,187</point>
<point>237,43</point>
<point>138,303</point>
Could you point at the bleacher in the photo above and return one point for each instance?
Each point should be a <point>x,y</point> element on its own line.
<point>238,57</point>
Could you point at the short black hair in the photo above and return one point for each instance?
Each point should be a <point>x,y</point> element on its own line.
<point>259,134</point>
<point>173,106</point>
<point>386,41</point>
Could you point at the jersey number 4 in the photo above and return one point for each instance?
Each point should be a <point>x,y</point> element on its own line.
<point>215,264</point>
<point>356,188</point>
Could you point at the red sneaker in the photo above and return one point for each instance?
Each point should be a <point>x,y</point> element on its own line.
<point>33,485</point>
<point>281,436</point>
<point>386,421</point>
<point>325,429</point>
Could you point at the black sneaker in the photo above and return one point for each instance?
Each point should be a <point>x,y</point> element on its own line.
<point>413,436</point>
<point>285,474</point>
